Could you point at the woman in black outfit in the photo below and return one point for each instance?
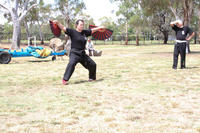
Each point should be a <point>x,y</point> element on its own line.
<point>77,52</point>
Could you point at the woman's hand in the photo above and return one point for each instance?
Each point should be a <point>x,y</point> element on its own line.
<point>100,28</point>
<point>55,21</point>
<point>60,25</point>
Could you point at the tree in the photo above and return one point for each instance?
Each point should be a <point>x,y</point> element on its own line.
<point>1,32</point>
<point>197,11</point>
<point>107,22</point>
<point>199,23</point>
<point>27,28</point>
<point>188,9</point>
<point>175,6</point>
<point>87,19</point>
<point>18,11</point>
<point>161,22</point>
<point>41,15</point>
<point>119,30</point>
<point>137,21</point>
<point>126,8</point>
<point>70,9</point>
<point>160,16</point>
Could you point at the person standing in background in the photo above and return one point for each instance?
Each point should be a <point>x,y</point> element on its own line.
<point>181,40</point>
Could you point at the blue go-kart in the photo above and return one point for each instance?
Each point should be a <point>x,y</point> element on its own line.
<point>37,52</point>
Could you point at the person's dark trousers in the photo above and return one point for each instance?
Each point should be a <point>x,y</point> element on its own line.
<point>179,48</point>
<point>85,60</point>
<point>90,52</point>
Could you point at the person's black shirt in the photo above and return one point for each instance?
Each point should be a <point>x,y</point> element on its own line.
<point>78,39</point>
<point>181,33</point>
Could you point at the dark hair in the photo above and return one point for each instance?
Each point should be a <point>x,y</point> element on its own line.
<point>77,22</point>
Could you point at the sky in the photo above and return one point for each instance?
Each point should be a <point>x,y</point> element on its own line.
<point>2,21</point>
<point>95,8</point>
<point>100,8</point>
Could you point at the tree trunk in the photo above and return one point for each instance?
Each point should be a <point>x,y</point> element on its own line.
<point>40,32</point>
<point>126,42</point>
<point>195,38</point>
<point>173,10</point>
<point>16,37</point>
<point>174,13</point>
<point>137,40</point>
<point>67,20</point>
<point>67,15</point>
<point>199,24</point>
<point>186,13</point>
<point>165,34</point>
<point>27,30</point>
<point>188,8</point>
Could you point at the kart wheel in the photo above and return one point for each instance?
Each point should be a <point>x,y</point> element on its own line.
<point>53,58</point>
<point>5,57</point>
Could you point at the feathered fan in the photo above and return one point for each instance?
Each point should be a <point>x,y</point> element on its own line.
<point>55,29</point>
<point>101,34</point>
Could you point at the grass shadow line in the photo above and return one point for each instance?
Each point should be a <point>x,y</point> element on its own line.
<point>40,61</point>
<point>160,53</point>
<point>192,67</point>
<point>84,81</point>
<point>194,52</point>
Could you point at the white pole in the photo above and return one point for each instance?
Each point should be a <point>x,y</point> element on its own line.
<point>28,41</point>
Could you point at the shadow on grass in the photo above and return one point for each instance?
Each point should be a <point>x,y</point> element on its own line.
<point>40,61</point>
<point>192,67</point>
<point>194,52</point>
<point>84,81</point>
<point>25,62</point>
<point>160,53</point>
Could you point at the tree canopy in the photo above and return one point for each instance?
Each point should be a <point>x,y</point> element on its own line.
<point>137,17</point>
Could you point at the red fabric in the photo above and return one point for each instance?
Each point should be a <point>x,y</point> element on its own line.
<point>55,29</point>
<point>101,34</point>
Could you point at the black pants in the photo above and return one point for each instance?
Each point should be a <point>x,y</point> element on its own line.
<point>79,56</point>
<point>179,48</point>
<point>90,52</point>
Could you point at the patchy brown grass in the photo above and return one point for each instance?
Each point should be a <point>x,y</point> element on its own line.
<point>136,91</point>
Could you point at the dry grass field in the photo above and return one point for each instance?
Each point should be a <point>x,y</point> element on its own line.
<point>136,92</point>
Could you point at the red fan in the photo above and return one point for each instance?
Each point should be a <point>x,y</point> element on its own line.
<point>55,29</point>
<point>101,34</point>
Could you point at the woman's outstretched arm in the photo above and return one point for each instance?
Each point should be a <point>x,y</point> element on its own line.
<point>63,28</point>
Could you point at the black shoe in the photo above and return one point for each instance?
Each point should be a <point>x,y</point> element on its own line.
<point>91,80</point>
<point>174,68</point>
<point>183,67</point>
